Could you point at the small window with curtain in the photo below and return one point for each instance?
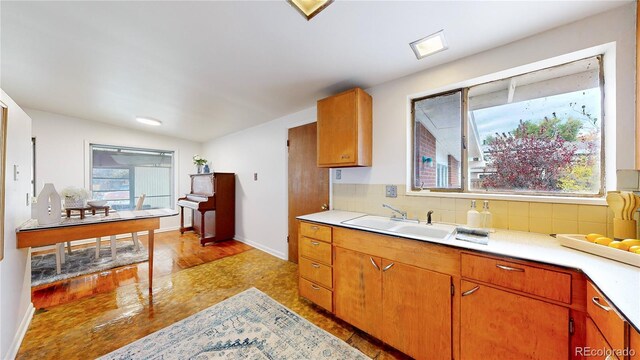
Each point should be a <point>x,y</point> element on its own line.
<point>120,175</point>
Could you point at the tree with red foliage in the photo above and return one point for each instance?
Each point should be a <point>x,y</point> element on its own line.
<point>528,160</point>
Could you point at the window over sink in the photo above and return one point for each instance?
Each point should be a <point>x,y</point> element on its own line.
<point>537,133</point>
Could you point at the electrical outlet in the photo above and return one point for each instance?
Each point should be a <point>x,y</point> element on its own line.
<point>338,174</point>
<point>391,191</point>
<point>255,176</point>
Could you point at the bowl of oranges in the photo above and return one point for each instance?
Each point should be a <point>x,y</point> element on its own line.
<point>625,250</point>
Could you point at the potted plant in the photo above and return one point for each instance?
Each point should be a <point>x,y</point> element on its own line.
<point>199,162</point>
<point>74,197</point>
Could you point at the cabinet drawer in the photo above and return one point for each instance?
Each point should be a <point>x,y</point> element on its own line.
<point>537,281</point>
<point>316,294</point>
<point>315,250</point>
<point>316,272</point>
<point>610,324</point>
<point>315,231</point>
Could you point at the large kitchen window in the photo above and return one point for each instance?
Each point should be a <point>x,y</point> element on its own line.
<point>539,133</point>
<point>120,175</point>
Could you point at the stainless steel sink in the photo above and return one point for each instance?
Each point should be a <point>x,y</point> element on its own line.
<point>421,230</point>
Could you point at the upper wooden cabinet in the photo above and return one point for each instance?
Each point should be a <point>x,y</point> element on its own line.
<point>344,129</point>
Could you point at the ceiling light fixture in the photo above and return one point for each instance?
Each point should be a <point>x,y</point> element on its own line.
<point>148,121</point>
<point>309,8</point>
<point>429,45</point>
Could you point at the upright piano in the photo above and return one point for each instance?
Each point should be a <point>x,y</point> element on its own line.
<point>213,203</point>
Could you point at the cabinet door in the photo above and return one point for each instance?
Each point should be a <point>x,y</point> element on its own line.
<point>416,310</point>
<point>337,129</point>
<point>358,290</point>
<point>496,324</point>
<point>595,343</point>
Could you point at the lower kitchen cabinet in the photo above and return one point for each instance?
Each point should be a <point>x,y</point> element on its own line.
<point>416,310</point>
<point>595,343</point>
<point>496,324</point>
<point>405,306</point>
<point>358,290</point>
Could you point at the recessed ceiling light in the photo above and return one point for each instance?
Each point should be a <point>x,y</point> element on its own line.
<point>148,121</point>
<point>429,45</point>
<point>309,8</point>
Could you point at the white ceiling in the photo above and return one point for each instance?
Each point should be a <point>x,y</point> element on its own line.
<point>211,68</point>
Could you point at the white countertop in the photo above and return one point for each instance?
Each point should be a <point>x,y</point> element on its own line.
<point>619,282</point>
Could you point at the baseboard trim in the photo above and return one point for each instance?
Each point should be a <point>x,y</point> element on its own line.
<point>268,250</point>
<point>22,330</point>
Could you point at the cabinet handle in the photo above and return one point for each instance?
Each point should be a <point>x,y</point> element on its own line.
<point>388,267</point>
<point>374,263</point>
<point>596,300</point>
<point>509,268</point>
<point>315,265</point>
<point>469,292</point>
<point>314,228</point>
<point>314,287</point>
<point>345,156</point>
<point>315,243</point>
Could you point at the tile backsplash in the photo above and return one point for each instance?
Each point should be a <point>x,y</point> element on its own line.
<point>513,215</point>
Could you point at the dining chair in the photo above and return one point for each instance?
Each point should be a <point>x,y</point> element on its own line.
<point>134,236</point>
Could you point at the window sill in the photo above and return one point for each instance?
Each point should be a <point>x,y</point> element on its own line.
<point>511,197</point>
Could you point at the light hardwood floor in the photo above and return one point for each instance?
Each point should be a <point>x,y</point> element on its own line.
<point>101,322</point>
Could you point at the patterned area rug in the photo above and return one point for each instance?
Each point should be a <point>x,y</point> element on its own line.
<point>250,325</point>
<point>83,261</point>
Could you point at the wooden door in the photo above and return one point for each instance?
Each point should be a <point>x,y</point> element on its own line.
<point>358,290</point>
<point>337,133</point>
<point>416,310</point>
<point>308,184</point>
<point>496,324</point>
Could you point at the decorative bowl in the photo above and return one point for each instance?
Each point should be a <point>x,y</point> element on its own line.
<point>97,203</point>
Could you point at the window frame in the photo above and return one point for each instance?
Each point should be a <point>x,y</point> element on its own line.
<point>606,58</point>
<point>132,197</point>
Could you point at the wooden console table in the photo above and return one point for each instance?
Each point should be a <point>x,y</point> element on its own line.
<point>30,234</point>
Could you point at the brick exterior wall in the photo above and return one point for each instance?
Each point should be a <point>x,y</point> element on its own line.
<point>454,176</point>
<point>426,147</point>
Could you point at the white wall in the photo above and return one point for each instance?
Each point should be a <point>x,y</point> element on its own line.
<point>62,152</point>
<point>261,206</point>
<point>390,109</point>
<point>15,269</point>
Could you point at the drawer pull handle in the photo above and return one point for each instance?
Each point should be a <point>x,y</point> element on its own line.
<point>388,267</point>
<point>509,268</point>
<point>315,243</point>
<point>345,156</point>
<point>596,300</point>
<point>374,263</point>
<point>469,292</point>
<point>315,265</point>
<point>314,287</point>
<point>314,228</point>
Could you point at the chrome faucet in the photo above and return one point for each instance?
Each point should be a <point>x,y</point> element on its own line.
<point>402,213</point>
